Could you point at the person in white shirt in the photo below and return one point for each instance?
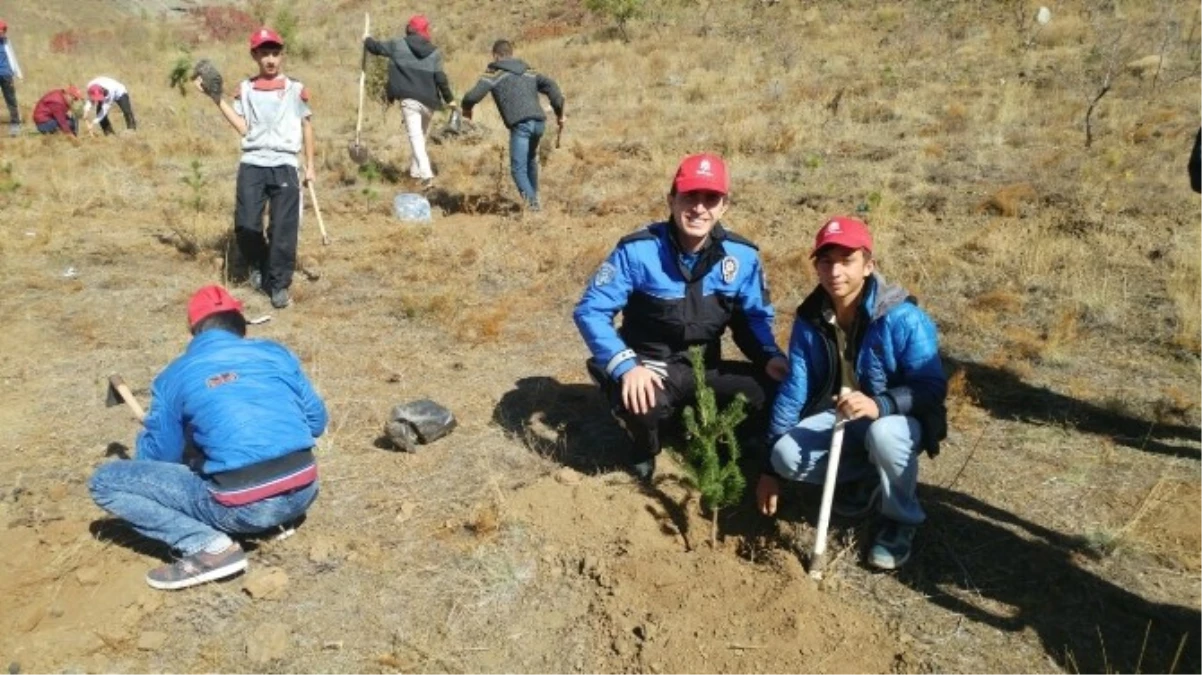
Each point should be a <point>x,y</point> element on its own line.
<point>103,92</point>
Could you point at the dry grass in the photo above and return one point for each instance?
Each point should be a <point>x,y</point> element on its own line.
<point>1050,266</point>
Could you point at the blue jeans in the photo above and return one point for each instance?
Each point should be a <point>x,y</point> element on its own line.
<point>50,126</point>
<point>523,157</point>
<point>891,444</point>
<point>169,503</point>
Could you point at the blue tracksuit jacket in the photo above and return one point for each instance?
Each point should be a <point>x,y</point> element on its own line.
<point>667,306</point>
<point>241,401</point>
<point>897,362</point>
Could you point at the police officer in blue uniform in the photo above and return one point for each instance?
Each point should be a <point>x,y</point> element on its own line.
<point>677,284</point>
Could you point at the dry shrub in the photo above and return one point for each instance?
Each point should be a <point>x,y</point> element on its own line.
<point>1000,300</point>
<point>1007,202</point>
<point>482,327</point>
<point>66,42</point>
<point>1024,343</point>
<point>485,522</point>
<point>872,112</point>
<point>224,23</point>
<point>1174,405</point>
<point>960,395</point>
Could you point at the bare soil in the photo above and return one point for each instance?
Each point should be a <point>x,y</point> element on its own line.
<point>1064,512</point>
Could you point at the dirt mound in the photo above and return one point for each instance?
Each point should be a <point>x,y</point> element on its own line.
<point>664,606</point>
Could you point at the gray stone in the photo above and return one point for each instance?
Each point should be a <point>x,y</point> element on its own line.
<point>418,422</point>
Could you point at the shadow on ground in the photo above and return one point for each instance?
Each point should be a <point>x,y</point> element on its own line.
<point>1001,570</point>
<point>568,423</point>
<point>461,202</point>
<point>1006,396</point>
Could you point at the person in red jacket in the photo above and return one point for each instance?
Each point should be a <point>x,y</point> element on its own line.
<point>53,114</point>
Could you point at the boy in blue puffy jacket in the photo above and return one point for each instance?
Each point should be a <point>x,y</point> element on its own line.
<point>855,331</point>
<point>227,447</point>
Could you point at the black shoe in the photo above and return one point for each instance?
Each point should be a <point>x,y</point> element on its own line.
<point>644,471</point>
<point>255,280</point>
<point>856,500</point>
<point>280,299</point>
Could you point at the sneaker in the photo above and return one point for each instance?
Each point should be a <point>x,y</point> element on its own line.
<point>857,499</point>
<point>198,568</point>
<point>644,471</point>
<point>14,129</point>
<point>255,279</point>
<point>280,299</point>
<point>892,546</point>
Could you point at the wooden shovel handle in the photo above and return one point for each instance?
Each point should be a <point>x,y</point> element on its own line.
<point>127,396</point>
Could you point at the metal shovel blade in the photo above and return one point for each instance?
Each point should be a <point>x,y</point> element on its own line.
<point>359,153</point>
<point>113,396</point>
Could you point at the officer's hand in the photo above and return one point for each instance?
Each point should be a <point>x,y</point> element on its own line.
<point>777,368</point>
<point>638,389</point>
<point>766,492</point>
<point>856,405</point>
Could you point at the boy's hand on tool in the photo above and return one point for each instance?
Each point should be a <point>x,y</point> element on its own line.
<point>856,405</point>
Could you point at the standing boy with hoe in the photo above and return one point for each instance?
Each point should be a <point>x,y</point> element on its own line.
<point>515,88</point>
<point>856,331</point>
<point>271,114</point>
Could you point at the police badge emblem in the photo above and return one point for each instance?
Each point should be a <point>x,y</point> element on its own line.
<point>730,268</point>
<point>605,274</point>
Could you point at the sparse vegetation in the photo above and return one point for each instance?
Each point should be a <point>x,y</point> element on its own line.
<point>1064,282</point>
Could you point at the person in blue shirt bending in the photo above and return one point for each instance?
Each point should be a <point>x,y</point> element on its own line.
<point>680,283</point>
<point>227,447</point>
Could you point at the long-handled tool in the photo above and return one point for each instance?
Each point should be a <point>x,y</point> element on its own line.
<point>321,223</point>
<point>818,559</point>
<point>359,153</point>
<point>118,393</point>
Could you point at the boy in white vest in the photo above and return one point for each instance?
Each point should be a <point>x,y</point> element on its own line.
<point>271,113</point>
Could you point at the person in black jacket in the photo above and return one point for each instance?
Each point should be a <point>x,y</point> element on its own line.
<point>515,87</point>
<point>416,79</point>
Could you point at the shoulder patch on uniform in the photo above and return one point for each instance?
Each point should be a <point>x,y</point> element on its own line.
<point>605,274</point>
<point>637,235</point>
<point>730,268</point>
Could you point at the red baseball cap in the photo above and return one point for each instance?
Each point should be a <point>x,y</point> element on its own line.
<point>419,24</point>
<point>209,301</point>
<point>95,93</point>
<point>3,25</point>
<point>843,231</point>
<point>73,91</point>
<point>702,172</point>
<point>265,36</point>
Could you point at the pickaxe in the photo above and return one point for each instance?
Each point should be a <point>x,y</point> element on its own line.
<point>118,393</point>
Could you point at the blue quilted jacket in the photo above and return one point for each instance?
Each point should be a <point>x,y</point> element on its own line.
<point>240,401</point>
<point>897,362</point>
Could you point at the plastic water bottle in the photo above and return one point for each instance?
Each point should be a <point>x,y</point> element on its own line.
<point>412,208</point>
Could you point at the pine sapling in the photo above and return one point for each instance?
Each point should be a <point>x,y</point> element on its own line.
<point>719,482</point>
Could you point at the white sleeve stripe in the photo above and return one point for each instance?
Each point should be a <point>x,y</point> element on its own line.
<point>618,358</point>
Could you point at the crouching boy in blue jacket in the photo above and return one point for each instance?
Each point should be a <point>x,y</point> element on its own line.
<point>250,416</point>
<point>857,331</point>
